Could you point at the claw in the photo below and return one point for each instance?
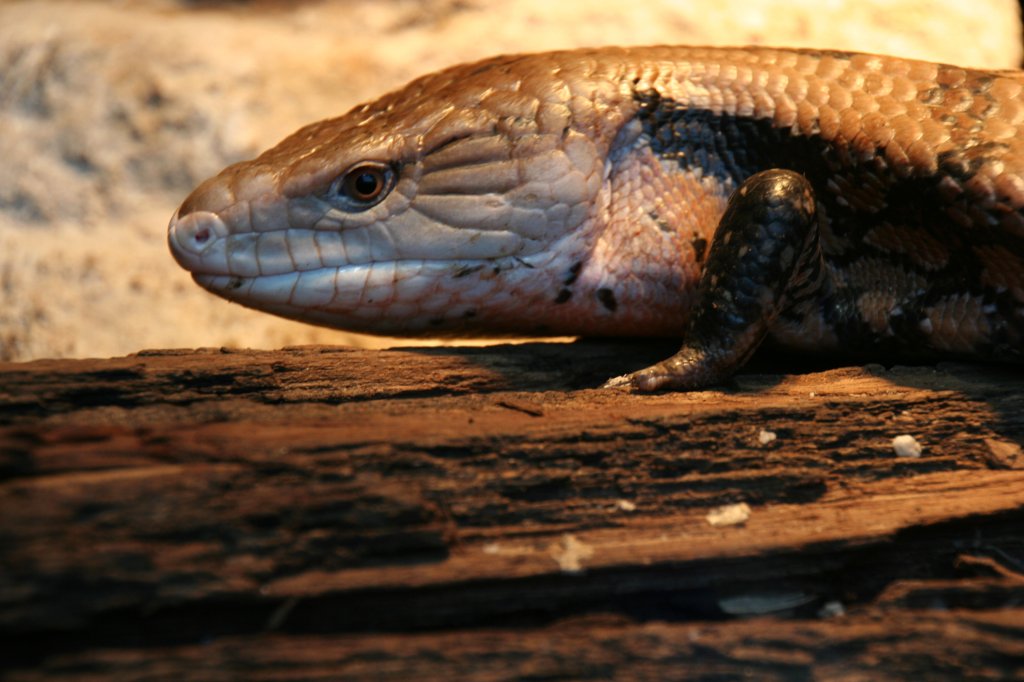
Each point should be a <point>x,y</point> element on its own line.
<point>645,381</point>
<point>624,381</point>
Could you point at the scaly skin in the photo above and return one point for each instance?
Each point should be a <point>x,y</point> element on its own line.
<point>586,193</point>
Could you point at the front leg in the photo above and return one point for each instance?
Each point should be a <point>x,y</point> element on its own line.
<point>765,248</point>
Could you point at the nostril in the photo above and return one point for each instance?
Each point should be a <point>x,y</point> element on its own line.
<point>201,236</point>
<point>192,235</point>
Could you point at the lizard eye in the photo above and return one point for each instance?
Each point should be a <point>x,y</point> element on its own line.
<point>363,186</point>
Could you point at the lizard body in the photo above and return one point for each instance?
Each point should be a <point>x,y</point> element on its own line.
<point>829,201</point>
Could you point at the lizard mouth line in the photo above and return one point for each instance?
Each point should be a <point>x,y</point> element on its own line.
<point>373,287</point>
<point>363,297</point>
<point>455,268</point>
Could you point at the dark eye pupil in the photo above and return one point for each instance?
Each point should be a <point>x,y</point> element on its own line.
<point>362,186</point>
<point>366,185</point>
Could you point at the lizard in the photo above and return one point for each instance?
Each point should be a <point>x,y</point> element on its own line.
<point>824,201</point>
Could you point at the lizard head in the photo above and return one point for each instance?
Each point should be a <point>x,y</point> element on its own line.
<point>439,208</point>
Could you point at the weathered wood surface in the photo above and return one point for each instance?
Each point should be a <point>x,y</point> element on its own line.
<point>483,513</point>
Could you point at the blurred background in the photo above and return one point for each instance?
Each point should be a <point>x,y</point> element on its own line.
<point>111,112</point>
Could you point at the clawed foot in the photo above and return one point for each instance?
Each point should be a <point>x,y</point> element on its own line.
<point>765,245</point>
<point>644,381</point>
<point>689,369</point>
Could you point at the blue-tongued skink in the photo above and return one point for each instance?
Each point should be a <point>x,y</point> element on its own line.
<point>828,201</point>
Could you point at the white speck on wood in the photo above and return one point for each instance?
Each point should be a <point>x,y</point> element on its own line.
<point>729,515</point>
<point>906,446</point>
<point>570,553</point>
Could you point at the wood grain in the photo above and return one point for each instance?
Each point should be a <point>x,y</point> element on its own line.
<point>486,513</point>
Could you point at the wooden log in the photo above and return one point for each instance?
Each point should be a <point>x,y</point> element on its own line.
<point>487,513</point>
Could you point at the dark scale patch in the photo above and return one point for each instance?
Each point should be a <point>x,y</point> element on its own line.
<point>908,339</point>
<point>563,296</point>
<point>727,147</point>
<point>964,164</point>
<point>982,83</point>
<point>991,107</point>
<point>574,272</point>
<point>1007,336</point>
<point>932,96</point>
<point>659,221</point>
<point>905,323</point>
<point>607,298</point>
<point>733,148</point>
<point>700,247</point>
<point>836,54</point>
<point>467,270</point>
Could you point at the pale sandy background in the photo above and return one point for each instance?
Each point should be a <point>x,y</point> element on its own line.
<point>110,112</point>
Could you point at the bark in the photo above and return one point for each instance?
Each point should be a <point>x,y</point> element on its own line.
<point>487,514</point>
